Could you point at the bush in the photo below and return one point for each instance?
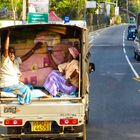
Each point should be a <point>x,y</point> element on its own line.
<point>118,20</point>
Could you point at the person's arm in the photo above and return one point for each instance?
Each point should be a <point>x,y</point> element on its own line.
<point>7,44</point>
<point>52,61</point>
<point>62,68</point>
<point>49,53</point>
<point>31,52</point>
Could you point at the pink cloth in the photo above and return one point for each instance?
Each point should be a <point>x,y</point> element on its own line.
<point>53,16</point>
<point>74,52</point>
<point>36,78</point>
<point>36,69</point>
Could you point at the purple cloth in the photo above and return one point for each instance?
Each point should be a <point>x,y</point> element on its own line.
<point>55,83</point>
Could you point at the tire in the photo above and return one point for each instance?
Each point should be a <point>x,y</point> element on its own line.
<point>87,116</point>
<point>14,130</point>
<point>87,108</point>
<point>137,57</point>
<point>84,137</point>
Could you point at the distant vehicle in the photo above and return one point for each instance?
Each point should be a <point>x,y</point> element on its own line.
<point>137,49</point>
<point>132,20</point>
<point>131,32</point>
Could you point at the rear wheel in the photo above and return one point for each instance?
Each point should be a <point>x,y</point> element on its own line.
<point>137,57</point>
<point>87,116</point>
<point>14,130</point>
<point>84,134</point>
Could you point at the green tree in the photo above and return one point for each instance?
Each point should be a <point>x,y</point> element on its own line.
<point>12,5</point>
<point>133,5</point>
<point>135,8</point>
<point>72,8</point>
<point>5,3</point>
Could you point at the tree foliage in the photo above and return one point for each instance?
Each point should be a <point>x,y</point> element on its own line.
<point>15,6</point>
<point>72,8</point>
<point>75,8</point>
<point>12,5</point>
<point>5,3</point>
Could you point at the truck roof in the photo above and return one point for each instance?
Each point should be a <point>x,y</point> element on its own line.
<point>76,25</point>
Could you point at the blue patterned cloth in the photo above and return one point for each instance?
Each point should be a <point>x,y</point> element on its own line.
<point>22,91</point>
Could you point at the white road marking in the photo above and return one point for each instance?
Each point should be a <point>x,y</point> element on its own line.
<point>105,45</point>
<point>91,39</point>
<point>117,74</point>
<point>131,66</point>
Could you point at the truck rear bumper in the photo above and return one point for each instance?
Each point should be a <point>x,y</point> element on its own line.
<point>60,135</point>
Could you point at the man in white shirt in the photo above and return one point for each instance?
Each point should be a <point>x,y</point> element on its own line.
<point>10,73</point>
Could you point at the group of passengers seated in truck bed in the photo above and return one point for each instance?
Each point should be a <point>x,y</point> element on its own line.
<point>55,71</point>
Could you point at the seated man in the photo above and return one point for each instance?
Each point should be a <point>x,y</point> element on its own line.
<point>10,73</point>
<point>66,78</point>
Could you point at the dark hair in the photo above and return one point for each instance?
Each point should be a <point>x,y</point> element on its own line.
<point>11,50</point>
<point>2,50</point>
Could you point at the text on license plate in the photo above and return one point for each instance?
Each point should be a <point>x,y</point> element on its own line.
<point>41,126</point>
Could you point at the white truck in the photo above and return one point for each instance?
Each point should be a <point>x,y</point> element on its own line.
<point>46,116</point>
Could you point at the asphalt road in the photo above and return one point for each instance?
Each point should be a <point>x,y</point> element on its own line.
<point>114,96</point>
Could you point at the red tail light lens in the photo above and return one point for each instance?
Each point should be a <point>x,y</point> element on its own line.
<point>13,122</point>
<point>68,121</point>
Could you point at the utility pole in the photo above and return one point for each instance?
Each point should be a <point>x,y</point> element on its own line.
<point>85,11</point>
<point>127,11</point>
<point>116,3</point>
<point>24,12</point>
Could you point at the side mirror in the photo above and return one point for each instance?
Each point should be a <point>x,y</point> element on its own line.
<point>91,67</point>
<point>88,55</point>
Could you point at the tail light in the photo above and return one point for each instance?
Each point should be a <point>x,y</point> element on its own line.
<point>68,121</point>
<point>13,122</point>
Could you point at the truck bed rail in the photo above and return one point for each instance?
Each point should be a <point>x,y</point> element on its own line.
<point>11,99</point>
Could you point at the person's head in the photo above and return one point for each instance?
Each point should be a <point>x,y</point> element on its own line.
<point>11,53</point>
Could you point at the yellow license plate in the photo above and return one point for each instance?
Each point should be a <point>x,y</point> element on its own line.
<point>40,126</point>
